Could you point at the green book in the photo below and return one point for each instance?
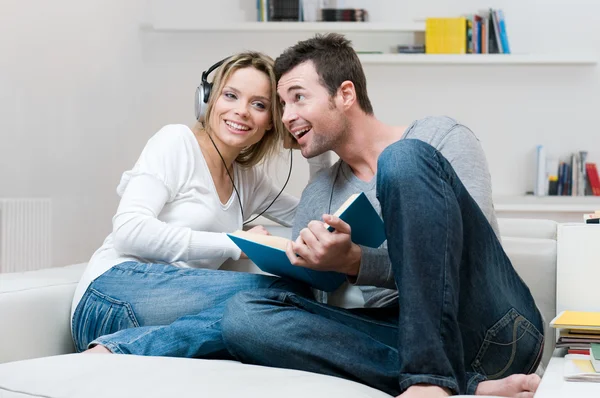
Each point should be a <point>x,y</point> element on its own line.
<point>595,356</point>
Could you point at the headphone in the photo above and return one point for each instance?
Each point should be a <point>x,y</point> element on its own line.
<point>204,89</point>
<point>202,96</point>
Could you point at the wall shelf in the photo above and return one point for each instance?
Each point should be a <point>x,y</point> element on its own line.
<point>382,59</point>
<point>295,27</point>
<point>547,204</point>
<point>478,59</point>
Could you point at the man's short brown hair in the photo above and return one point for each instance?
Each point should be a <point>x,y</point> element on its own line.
<point>335,62</point>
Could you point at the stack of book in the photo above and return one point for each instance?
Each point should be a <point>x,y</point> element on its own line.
<point>593,218</point>
<point>482,33</point>
<point>577,331</point>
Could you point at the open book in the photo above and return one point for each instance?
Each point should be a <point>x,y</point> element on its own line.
<point>268,252</point>
<point>579,368</point>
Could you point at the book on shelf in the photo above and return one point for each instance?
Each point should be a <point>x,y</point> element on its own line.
<point>595,356</point>
<point>592,218</point>
<point>305,10</point>
<point>568,176</point>
<point>269,252</point>
<point>481,33</point>
<point>577,321</point>
<point>446,35</point>
<point>576,341</point>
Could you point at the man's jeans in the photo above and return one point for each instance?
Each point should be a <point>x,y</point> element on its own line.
<point>162,310</point>
<point>464,314</point>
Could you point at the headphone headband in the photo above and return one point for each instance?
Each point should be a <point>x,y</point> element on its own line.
<point>204,89</point>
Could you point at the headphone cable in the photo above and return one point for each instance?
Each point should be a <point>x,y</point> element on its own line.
<point>280,192</point>
<point>236,190</point>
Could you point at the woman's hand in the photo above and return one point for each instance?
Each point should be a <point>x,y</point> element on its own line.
<point>259,229</point>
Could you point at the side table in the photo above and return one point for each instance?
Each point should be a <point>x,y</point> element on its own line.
<point>554,385</point>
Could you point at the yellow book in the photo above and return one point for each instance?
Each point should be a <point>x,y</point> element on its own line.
<point>577,320</point>
<point>446,35</point>
<point>579,368</point>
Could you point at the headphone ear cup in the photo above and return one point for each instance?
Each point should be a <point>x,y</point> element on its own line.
<point>198,102</point>
<point>202,96</point>
<point>207,90</point>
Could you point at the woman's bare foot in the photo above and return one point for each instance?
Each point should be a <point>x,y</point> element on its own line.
<point>516,386</point>
<point>425,391</point>
<point>97,349</point>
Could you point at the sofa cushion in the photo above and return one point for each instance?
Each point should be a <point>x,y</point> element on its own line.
<point>97,375</point>
<point>30,301</point>
<point>527,228</point>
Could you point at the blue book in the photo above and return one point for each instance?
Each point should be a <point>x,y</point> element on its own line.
<point>366,227</point>
<point>268,252</point>
<point>503,34</point>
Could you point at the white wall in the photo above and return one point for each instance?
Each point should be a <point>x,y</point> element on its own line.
<point>82,87</point>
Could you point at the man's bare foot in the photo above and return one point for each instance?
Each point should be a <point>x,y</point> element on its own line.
<point>97,349</point>
<point>516,386</point>
<point>425,391</point>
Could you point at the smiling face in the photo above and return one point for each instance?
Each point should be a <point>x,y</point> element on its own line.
<point>312,116</point>
<point>242,112</point>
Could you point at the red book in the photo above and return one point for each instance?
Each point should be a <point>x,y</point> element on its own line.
<point>581,352</point>
<point>594,179</point>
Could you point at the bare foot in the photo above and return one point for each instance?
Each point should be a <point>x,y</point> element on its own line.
<point>97,349</point>
<point>516,386</point>
<point>425,391</point>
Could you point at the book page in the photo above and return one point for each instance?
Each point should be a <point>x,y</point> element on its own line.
<point>277,242</point>
<point>344,206</point>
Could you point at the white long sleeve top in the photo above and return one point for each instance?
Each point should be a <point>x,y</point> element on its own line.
<point>170,211</point>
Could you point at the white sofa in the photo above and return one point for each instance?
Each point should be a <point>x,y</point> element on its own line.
<point>36,351</point>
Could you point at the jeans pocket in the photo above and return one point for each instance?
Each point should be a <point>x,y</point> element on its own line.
<point>100,315</point>
<point>512,345</point>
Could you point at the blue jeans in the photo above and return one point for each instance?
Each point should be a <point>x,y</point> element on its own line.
<point>463,313</point>
<point>162,310</point>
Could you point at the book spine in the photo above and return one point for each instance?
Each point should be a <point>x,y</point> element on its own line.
<point>494,17</point>
<point>540,178</point>
<point>592,173</point>
<point>503,34</point>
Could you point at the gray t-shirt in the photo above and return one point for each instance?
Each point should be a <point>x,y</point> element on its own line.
<point>331,187</point>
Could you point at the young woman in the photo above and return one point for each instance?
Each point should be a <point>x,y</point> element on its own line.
<point>153,288</point>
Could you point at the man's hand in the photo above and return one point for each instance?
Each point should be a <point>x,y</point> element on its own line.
<point>319,249</point>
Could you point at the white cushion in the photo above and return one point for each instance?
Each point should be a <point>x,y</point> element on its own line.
<point>32,301</point>
<point>527,228</point>
<point>98,375</point>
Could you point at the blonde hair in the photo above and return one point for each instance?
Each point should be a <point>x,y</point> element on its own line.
<point>271,141</point>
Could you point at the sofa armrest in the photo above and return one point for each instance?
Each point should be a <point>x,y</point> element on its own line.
<point>35,308</point>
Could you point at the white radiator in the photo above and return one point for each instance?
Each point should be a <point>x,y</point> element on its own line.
<point>25,234</point>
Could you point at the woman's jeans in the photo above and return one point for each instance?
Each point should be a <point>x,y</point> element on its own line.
<point>463,314</point>
<point>162,310</point>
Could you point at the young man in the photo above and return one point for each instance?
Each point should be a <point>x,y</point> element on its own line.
<point>445,313</point>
